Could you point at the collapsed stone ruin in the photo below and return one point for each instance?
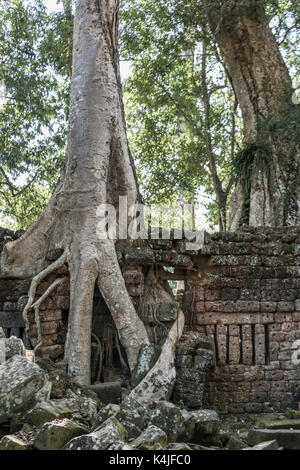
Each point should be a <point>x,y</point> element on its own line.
<point>240,294</point>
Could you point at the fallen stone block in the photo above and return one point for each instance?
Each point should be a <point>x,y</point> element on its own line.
<point>132,430</point>
<point>12,442</point>
<point>48,410</point>
<point>120,445</point>
<point>134,412</point>
<point>54,435</point>
<point>268,445</point>
<point>14,347</point>
<point>169,418</point>
<point>207,425</point>
<point>10,347</point>
<point>130,413</point>
<point>150,439</point>
<point>194,357</point>
<point>290,440</point>
<point>22,384</point>
<point>283,424</point>
<point>109,432</point>
<point>108,412</point>
<point>178,446</point>
<point>188,431</point>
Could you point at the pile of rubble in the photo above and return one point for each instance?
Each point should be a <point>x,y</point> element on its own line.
<point>40,408</point>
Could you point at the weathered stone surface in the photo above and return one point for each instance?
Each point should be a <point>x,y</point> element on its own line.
<point>248,306</point>
<point>10,319</point>
<point>135,412</point>
<point>108,392</point>
<point>12,442</point>
<point>107,434</point>
<point>292,414</point>
<point>268,445</point>
<point>151,437</point>
<point>157,446</point>
<point>84,409</point>
<point>133,431</point>
<point>120,445</point>
<point>109,411</point>
<point>46,411</point>
<point>188,430</point>
<point>173,258</point>
<point>52,352</point>
<point>192,362</point>
<point>290,440</point>
<point>62,384</point>
<point>283,424</point>
<point>178,446</point>
<point>130,413</point>
<point>203,359</point>
<point>163,244</point>
<point>146,360</point>
<point>192,341</point>
<point>14,347</point>
<point>22,383</point>
<point>12,289</point>
<point>207,425</point>
<point>234,444</point>
<point>169,418</point>
<point>54,435</point>
<point>134,417</point>
<point>246,303</point>
<point>138,255</point>
<point>2,333</point>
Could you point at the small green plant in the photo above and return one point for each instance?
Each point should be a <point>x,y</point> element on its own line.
<point>180,404</point>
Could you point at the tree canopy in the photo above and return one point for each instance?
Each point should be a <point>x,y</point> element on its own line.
<point>184,123</point>
<point>183,119</point>
<point>34,106</point>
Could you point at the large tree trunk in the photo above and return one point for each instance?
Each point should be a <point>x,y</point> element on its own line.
<point>264,90</point>
<point>98,169</point>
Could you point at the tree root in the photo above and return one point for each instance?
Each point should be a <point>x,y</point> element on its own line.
<point>124,366</point>
<point>36,307</point>
<point>160,380</point>
<point>131,330</point>
<point>35,282</point>
<point>100,356</point>
<point>158,324</point>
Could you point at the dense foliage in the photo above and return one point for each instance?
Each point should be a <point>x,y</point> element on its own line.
<point>33,107</point>
<point>184,124</point>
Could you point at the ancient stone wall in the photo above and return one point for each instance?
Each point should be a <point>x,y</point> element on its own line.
<point>53,311</point>
<point>248,302</point>
<point>53,315</point>
<point>240,290</point>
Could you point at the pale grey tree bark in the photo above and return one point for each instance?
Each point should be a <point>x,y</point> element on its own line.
<point>264,90</point>
<point>98,169</point>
